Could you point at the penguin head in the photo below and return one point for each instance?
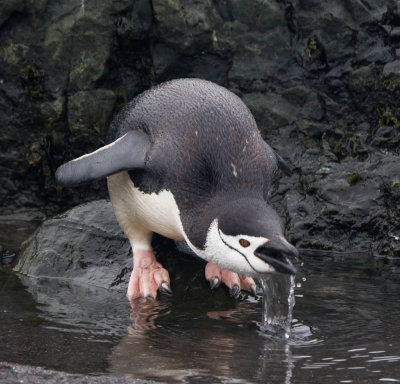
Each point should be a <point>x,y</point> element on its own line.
<point>247,237</point>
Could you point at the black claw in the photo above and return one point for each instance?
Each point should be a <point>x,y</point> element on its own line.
<point>166,288</point>
<point>254,290</point>
<point>214,284</point>
<point>235,291</point>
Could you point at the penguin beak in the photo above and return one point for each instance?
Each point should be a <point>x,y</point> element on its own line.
<point>276,252</point>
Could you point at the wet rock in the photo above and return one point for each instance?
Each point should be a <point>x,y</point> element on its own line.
<point>85,245</point>
<point>17,373</point>
<point>392,69</point>
<point>351,196</point>
<point>185,28</point>
<point>307,100</point>
<point>312,128</point>
<point>270,110</point>
<point>361,77</point>
<point>136,22</point>
<point>257,34</point>
<point>90,112</point>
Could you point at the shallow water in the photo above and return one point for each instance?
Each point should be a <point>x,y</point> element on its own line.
<point>345,328</point>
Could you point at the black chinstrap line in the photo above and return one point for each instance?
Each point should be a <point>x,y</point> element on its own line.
<point>248,262</point>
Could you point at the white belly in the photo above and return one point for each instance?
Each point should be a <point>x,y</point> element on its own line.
<point>137,211</point>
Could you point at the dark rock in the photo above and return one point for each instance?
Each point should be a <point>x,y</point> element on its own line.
<point>392,69</point>
<point>136,21</point>
<point>350,195</point>
<point>362,77</point>
<point>307,100</point>
<point>312,128</point>
<point>84,245</point>
<point>270,110</point>
<point>90,111</point>
<point>16,374</point>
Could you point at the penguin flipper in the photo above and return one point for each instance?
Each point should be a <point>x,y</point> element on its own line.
<point>127,152</point>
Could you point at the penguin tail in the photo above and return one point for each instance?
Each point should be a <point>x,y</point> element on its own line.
<point>127,152</point>
<point>283,165</point>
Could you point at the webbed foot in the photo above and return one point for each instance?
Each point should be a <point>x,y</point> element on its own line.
<point>235,282</point>
<point>147,277</point>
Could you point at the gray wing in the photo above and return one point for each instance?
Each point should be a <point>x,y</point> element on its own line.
<point>127,152</point>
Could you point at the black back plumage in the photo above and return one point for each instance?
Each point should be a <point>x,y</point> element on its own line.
<point>205,148</point>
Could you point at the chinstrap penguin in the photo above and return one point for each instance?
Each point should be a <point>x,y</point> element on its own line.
<point>185,160</point>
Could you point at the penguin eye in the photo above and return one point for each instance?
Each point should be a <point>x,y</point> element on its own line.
<point>244,243</point>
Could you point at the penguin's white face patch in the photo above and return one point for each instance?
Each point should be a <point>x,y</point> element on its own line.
<point>245,246</point>
<point>235,253</point>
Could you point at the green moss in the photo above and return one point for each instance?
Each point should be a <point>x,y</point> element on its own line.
<point>336,147</point>
<point>32,78</point>
<point>310,143</point>
<point>387,115</point>
<point>353,179</point>
<point>395,183</point>
<point>8,52</point>
<point>311,47</point>
<point>314,49</point>
<point>215,43</point>
<point>391,189</point>
<point>390,84</point>
<point>33,155</point>
<point>348,135</point>
<point>346,142</point>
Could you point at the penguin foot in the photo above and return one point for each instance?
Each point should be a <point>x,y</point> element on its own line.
<point>235,282</point>
<point>147,277</point>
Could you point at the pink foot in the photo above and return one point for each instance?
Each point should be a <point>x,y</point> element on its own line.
<point>235,282</point>
<point>147,276</point>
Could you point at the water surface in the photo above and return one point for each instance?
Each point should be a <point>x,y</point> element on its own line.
<point>345,328</point>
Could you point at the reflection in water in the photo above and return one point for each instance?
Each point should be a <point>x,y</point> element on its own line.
<point>345,330</point>
<point>264,370</point>
<point>175,355</point>
<point>144,313</point>
<point>203,346</point>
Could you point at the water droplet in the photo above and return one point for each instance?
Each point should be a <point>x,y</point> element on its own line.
<point>356,349</point>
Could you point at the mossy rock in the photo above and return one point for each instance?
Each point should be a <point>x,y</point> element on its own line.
<point>90,111</point>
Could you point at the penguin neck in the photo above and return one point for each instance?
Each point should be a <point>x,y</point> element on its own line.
<point>224,202</point>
